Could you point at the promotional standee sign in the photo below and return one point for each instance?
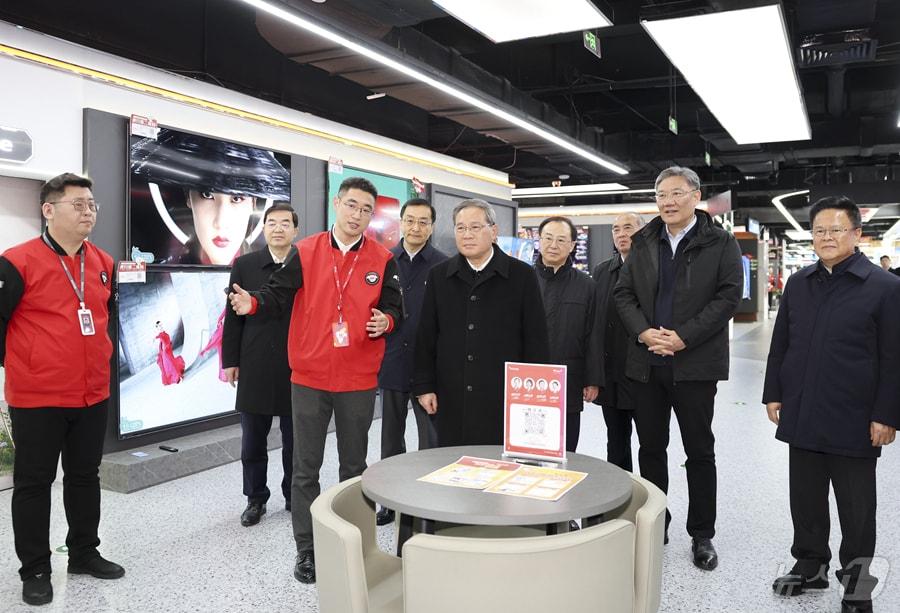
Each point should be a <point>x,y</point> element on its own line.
<point>534,411</point>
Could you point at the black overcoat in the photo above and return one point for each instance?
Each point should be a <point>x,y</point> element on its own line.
<point>400,346</point>
<point>471,324</point>
<point>834,361</point>
<point>258,344</point>
<point>615,392</point>
<point>569,304</point>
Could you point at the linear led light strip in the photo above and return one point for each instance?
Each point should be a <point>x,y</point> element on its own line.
<point>606,192</point>
<point>420,76</point>
<point>649,208</point>
<point>781,208</point>
<point>566,189</point>
<point>233,111</point>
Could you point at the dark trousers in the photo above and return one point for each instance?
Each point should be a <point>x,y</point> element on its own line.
<point>40,436</point>
<point>693,402</point>
<point>312,411</point>
<point>394,408</point>
<point>618,436</point>
<point>853,480</point>
<point>255,455</point>
<point>573,430</point>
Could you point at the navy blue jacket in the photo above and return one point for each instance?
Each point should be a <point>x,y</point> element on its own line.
<point>834,362</point>
<point>397,366</point>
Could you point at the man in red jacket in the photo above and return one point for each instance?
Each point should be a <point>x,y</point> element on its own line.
<point>55,293</point>
<point>345,292</point>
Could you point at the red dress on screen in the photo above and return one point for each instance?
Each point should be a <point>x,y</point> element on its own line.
<point>215,342</point>
<point>171,367</point>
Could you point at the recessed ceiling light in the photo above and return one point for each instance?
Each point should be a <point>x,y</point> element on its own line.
<point>505,20</point>
<point>376,96</point>
<point>741,65</point>
<point>437,82</point>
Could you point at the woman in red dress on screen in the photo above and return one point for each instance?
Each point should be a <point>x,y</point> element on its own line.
<point>215,342</point>
<point>171,367</point>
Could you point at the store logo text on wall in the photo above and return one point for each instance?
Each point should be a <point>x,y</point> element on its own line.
<point>15,145</point>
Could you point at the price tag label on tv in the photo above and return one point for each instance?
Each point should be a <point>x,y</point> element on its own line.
<point>132,272</point>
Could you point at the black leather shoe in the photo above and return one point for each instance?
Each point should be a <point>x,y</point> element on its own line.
<point>794,584</point>
<point>305,567</point>
<point>253,513</point>
<point>97,567</point>
<point>37,590</point>
<point>384,517</point>
<point>856,606</point>
<point>705,556</point>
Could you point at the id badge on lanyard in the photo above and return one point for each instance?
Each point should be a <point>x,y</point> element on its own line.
<point>340,331</point>
<point>83,314</point>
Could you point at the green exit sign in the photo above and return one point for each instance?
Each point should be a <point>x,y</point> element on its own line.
<point>673,125</point>
<point>592,43</point>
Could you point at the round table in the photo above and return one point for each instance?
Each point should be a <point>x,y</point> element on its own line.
<point>393,483</point>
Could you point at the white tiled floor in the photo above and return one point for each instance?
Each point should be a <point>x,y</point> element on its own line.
<point>184,549</point>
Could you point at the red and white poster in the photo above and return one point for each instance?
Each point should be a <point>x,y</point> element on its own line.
<point>534,411</point>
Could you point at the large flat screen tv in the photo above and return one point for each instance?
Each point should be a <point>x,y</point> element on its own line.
<point>169,339</point>
<point>198,200</point>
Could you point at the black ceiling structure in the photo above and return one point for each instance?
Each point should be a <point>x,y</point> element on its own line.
<point>847,56</point>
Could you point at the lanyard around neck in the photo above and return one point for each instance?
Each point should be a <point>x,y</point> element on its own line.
<point>79,291</point>
<point>337,282</point>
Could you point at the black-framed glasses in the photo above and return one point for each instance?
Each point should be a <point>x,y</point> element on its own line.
<point>354,208</point>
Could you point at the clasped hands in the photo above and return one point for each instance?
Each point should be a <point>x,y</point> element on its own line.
<point>662,341</point>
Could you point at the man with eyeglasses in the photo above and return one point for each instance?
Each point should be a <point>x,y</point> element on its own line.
<point>415,256</point>
<point>616,396</point>
<point>55,298</point>
<point>832,388</point>
<point>677,290</point>
<point>481,308</point>
<point>344,292</point>
<point>568,296</point>
<point>254,357</point>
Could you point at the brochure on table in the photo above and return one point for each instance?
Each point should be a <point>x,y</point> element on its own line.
<point>509,478</point>
<point>534,411</point>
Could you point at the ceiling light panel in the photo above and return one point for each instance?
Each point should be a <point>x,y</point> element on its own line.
<point>436,82</point>
<point>741,65</point>
<point>566,189</point>
<point>506,20</point>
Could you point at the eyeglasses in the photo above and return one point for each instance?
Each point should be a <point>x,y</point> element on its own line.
<point>836,232</point>
<point>284,225</point>
<point>365,211</point>
<point>79,204</point>
<point>559,241</point>
<point>409,221</point>
<point>474,228</point>
<point>676,195</point>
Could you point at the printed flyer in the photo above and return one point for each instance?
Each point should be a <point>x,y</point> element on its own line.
<point>534,415</point>
<point>472,473</point>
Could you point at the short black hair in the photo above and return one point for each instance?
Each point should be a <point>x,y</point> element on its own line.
<point>842,203</point>
<point>419,202</point>
<point>560,219</point>
<point>56,187</point>
<point>282,206</point>
<point>357,183</point>
<point>885,257</point>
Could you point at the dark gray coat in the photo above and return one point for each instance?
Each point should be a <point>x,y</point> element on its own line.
<point>708,285</point>
<point>569,303</point>
<point>400,346</point>
<point>470,325</point>
<point>834,362</point>
<point>258,344</point>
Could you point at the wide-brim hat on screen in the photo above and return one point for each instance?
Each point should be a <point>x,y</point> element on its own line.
<point>208,164</point>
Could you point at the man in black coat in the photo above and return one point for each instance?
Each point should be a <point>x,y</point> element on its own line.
<point>481,308</point>
<point>678,288</point>
<point>615,396</point>
<point>569,306</point>
<point>832,388</point>
<point>254,356</point>
<point>415,256</point>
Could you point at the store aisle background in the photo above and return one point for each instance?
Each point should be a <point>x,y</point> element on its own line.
<point>185,550</point>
